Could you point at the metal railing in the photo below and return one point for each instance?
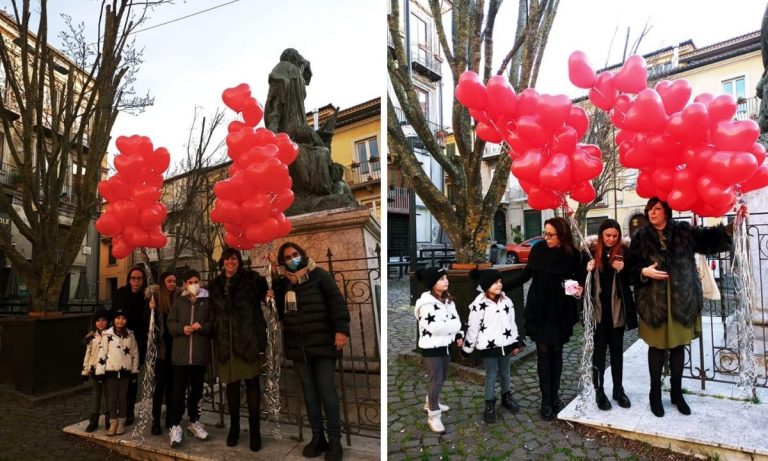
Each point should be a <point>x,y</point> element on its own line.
<point>363,172</point>
<point>397,199</point>
<point>433,126</point>
<point>427,57</point>
<point>747,108</point>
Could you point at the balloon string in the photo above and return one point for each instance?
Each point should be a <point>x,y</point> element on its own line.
<point>148,383</point>
<point>744,284</point>
<point>272,377</point>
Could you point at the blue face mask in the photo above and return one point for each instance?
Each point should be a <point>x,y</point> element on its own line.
<point>294,263</point>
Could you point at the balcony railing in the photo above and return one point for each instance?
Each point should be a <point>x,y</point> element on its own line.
<point>8,175</point>
<point>425,60</point>
<point>397,199</point>
<point>362,173</point>
<point>433,127</point>
<point>747,109</point>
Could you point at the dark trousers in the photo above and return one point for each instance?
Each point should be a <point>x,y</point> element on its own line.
<point>99,390</point>
<point>318,381</point>
<point>191,376</point>
<point>163,390</point>
<point>437,367</point>
<point>608,338</point>
<point>117,393</point>
<point>549,365</point>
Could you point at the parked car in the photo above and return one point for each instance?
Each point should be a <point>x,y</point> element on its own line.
<point>518,252</point>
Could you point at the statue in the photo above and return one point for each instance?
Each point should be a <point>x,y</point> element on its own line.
<point>762,84</point>
<point>284,112</point>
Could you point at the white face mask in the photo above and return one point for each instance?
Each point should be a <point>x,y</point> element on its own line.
<point>193,288</point>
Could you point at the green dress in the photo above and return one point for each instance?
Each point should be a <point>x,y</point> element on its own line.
<point>673,333</point>
<point>235,368</point>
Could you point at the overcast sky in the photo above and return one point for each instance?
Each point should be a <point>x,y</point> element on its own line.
<point>190,62</point>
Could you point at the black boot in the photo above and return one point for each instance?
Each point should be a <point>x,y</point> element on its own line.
<point>621,397</point>
<point>316,446</point>
<point>106,420</point>
<point>254,432</point>
<point>655,398</point>
<point>233,406</point>
<point>489,415</point>
<point>544,371</point>
<point>234,431</point>
<point>509,403</point>
<point>93,423</point>
<point>602,400</point>
<point>156,427</point>
<point>335,452</point>
<point>676,357</point>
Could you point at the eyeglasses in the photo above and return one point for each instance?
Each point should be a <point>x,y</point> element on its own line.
<point>137,278</point>
<point>548,235</point>
<point>295,254</point>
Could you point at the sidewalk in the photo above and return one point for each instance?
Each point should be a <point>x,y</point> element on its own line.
<point>522,436</point>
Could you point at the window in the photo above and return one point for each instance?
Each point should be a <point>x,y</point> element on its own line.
<point>419,32</point>
<point>368,155</point>
<point>593,224</point>
<point>736,87</point>
<point>111,261</point>
<point>423,101</point>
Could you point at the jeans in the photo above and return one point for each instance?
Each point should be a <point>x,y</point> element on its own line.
<point>191,376</point>
<point>496,366</point>
<point>437,367</point>
<point>163,390</point>
<point>318,382</point>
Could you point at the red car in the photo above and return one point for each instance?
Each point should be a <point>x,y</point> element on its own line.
<point>518,252</point>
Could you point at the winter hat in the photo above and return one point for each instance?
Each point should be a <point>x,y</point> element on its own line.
<point>118,312</point>
<point>485,278</point>
<point>101,314</point>
<point>430,276</point>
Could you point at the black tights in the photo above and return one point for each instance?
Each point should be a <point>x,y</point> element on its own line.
<point>253,395</point>
<point>549,364</point>
<point>656,365</point>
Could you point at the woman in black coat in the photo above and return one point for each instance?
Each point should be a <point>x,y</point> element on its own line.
<point>316,326</point>
<point>550,314</point>
<point>240,339</point>
<point>614,311</point>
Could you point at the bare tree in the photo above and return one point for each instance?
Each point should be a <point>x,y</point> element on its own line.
<point>189,195</point>
<point>58,112</point>
<point>467,221</point>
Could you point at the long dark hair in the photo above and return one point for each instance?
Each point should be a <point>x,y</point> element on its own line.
<point>295,246</point>
<point>228,253</point>
<point>563,233</point>
<point>143,280</point>
<point>164,295</point>
<point>616,250</point>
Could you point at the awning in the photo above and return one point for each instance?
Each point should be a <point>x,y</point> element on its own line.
<point>81,292</point>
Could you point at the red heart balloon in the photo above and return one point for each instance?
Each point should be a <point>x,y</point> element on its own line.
<point>108,224</point>
<point>528,102</point>
<point>134,145</point>
<point>239,142</point>
<point>471,92</point>
<point>713,193</point>
<point>284,224</point>
<point>636,155</point>
<point>723,107</point>
<point>488,133</point>
<point>226,211</point>
<point>592,150</point>
<point>236,97</point>
<point>135,236</point>
<point>757,181</point>
<point>160,160</point>
<point>604,93</point>
<point>528,166</point>
<point>145,195</point>
<point>129,165</point>
<point>126,211</point>
<point>682,199</point>
<point>517,146</point>
<point>263,231</point>
<point>252,112</point>
<point>236,125</point>
<point>706,210</point>
<point>580,73</point>
<point>623,103</point>
<point>759,152</point>
<point>704,98</point>
<point>737,135</point>
<point>584,166</point>
<point>660,143</point>
<point>554,110</point>
<point>564,140</point>
<point>288,150</point>
<point>583,192</point>
<point>502,99</point>
<point>645,187</point>
<point>543,199</point>
<point>120,249</point>
<point>283,200</point>
<point>255,208</point>
<point>264,136</point>
<point>556,174</point>
<point>663,178</point>
<point>647,112</point>
<point>697,158</point>
<point>633,77</point>
<point>530,129</point>
<point>691,125</point>
<point>674,94</point>
<point>732,167</point>
<point>156,238</point>
<point>579,120</point>
<point>479,115</point>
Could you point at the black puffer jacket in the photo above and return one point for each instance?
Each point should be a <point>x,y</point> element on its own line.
<point>550,314</point>
<point>239,315</point>
<point>682,241</point>
<point>322,312</point>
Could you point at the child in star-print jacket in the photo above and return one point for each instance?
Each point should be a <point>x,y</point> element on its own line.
<point>118,365</point>
<point>439,327</point>
<point>491,330</point>
<point>92,342</point>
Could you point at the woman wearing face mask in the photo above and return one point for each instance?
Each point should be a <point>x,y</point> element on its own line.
<point>240,335</point>
<point>316,325</point>
<point>614,311</point>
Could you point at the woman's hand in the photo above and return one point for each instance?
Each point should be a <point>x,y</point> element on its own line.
<point>152,304</point>
<point>188,330</point>
<point>591,265</point>
<point>271,257</point>
<point>578,291</point>
<point>340,341</point>
<point>617,265</point>
<point>270,295</point>
<point>652,273</point>
<point>516,351</point>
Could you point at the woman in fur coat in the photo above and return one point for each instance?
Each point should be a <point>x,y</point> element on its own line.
<point>614,311</point>
<point>668,292</point>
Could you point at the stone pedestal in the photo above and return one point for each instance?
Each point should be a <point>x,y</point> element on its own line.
<point>344,241</point>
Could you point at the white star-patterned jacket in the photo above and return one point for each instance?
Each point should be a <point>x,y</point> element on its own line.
<point>491,327</point>
<point>439,325</point>
<point>118,354</point>
<point>91,358</point>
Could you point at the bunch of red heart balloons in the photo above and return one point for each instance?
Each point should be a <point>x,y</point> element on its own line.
<point>134,215</point>
<point>542,132</point>
<point>250,203</point>
<point>693,156</point>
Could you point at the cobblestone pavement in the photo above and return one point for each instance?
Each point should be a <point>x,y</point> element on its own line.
<point>522,436</point>
<point>35,433</point>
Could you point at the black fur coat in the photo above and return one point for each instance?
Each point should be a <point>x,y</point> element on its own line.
<point>682,241</point>
<point>241,311</point>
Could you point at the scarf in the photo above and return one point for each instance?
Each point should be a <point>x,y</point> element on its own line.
<point>297,278</point>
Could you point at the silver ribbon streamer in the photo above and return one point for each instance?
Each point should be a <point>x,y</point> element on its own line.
<point>272,378</point>
<point>148,383</point>
<point>744,283</point>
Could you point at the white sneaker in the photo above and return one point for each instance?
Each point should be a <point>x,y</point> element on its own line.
<point>434,422</point>
<point>175,436</point>
<point>442,407</point>
<point>197,430</point>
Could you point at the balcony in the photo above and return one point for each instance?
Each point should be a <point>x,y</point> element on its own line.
<point>397,200</point>
<point>8,175</point>
<point>747,109</point>
<point>425,60</point>
<point>362,174</point>
<point>433,127</point>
